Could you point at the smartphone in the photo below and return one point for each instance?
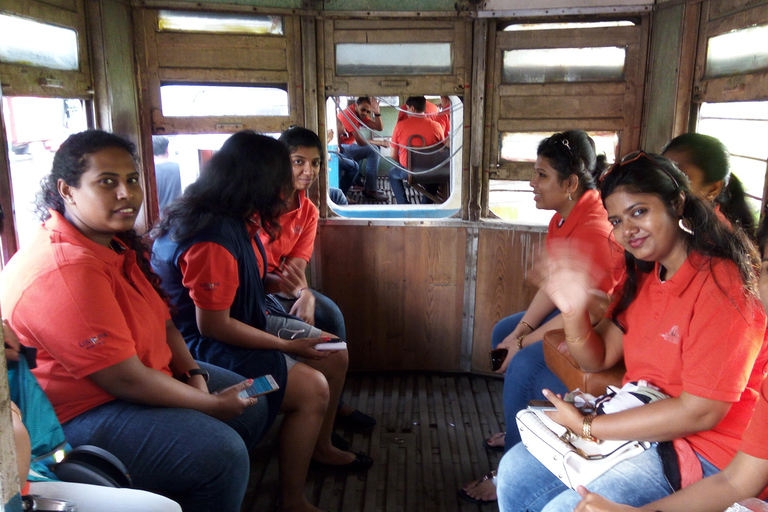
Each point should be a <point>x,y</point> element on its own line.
<point>497,357</point>
<point>544,405</point>
<point>332,344</point>
<point>261,386</point>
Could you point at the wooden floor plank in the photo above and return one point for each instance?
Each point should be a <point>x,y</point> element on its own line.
<point>427,443</point>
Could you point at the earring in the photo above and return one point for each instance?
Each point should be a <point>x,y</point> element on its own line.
<point>685,225</point>
<point>569,197</point>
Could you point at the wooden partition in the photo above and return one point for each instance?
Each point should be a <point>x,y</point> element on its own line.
<point>504,258</point>
<point>418,297</point>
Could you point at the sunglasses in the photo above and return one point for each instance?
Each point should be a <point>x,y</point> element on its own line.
<point>633,157</point>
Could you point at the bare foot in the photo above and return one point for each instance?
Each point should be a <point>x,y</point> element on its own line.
<point>496,440</point>
<point>482,489</point>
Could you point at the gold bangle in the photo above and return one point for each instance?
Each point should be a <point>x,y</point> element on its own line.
<point>527,325</point>
<point>577,339</point>
<point>586,428</point>
<point>520,341</point>
<point>18,413</point>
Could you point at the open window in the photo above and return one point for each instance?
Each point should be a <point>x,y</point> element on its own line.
<point>552,77</point>
<point>370,58</point>
<point>46,96</point>
<point>210,75</point>
<point>730,89</point>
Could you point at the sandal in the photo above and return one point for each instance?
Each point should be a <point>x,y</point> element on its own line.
<point>495,447</point>
<point>490,477</point>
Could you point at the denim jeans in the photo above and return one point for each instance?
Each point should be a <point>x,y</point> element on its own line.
<point>526,375</point>
<point>194,459</point>
<point>371,157</point>
<point>397,178</point>
<point>524,484</point>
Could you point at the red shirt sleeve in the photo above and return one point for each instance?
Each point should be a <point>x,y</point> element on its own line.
<point>210,274</point>
<point>755,442</point>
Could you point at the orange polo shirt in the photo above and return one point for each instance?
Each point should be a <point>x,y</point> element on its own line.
<point>698,332</point>
<point>210,272</point>
<point>297,236</point>
<point>415,125</point>
<point>84,307</point>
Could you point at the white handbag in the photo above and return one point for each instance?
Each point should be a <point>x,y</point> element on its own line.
<point>572,459</point>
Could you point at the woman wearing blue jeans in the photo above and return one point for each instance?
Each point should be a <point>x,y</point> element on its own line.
<point>564,180</point>
<point>687,320</point>
<point>114,367</point>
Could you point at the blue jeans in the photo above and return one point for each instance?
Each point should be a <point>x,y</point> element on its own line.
<point>194,459</point>
<point>397,178</point>
<point>526,375</point>
<point>524,484</point>
<point>348,170</point>
<point>371,157</point>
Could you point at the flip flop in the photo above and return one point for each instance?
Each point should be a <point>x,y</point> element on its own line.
<point>465,496</point>
<point>493,447</point>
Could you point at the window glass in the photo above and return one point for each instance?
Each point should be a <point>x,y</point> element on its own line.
<point>369,59</point>
<point>563,65</point>
<point>519,27</point>
<point>513,201</point>
<point>221,100</point>
<point>743,128</point>
<point>35,128</point>
<point>33,43</point>
<point>739,51</point>
<point>522,146</point>
<point>219,23</point>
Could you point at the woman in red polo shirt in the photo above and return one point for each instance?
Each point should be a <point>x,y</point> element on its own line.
<point>688,320</point>
<point>745,476</point>
<point>111,362</point>
<point>564,180</point>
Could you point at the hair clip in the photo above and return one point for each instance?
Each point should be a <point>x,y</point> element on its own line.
<point>567,144</point>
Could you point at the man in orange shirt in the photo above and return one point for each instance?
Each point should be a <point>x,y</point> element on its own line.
<point>363,113</point>
<point>415,124</point>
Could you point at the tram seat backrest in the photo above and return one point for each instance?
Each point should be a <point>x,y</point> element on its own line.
<point>560,361</point>
<point>438,177</point>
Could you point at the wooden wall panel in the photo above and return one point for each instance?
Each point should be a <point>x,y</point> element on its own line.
<point>503,260</point>
<point>537,107</point>
<point>401,289</point>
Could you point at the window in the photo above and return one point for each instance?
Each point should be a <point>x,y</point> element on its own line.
<point>29,42</point>
<point>563,65</point>
<point>219,23</point>
<point>35,128</point>
<point>519,27</point>
<point>222,100</point>
<point>738,51</point>
<point>365,59</point>
<point>350,175</point>
<point>743,128</point>
<point>513,200</point>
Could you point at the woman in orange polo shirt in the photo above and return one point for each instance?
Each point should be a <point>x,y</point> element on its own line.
<point>111,362</point>
<point>688,320</point>
<point>564,180</point>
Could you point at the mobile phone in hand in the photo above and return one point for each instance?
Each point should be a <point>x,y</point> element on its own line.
<point>543,405</point>
<point>497,358</point>
<point>332,344</point>
<point>261,386</point>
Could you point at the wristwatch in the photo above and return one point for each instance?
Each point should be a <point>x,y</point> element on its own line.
<point>196,371</point>
<point>376,115</point>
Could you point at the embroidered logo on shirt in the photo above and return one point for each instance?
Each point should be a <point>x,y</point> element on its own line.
<point>210,286</point>
<point>93,341</point>
<point>297,229</point>
<point>673,336</point>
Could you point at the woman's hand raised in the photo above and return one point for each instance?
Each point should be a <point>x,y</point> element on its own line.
<point>566,276</point>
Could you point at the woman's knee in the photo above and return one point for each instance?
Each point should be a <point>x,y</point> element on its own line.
<point>306,386</point>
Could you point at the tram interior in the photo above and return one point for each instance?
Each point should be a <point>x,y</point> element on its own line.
<point>421,286</point>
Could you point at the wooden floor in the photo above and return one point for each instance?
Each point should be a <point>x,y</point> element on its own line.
<point>427,443</point>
